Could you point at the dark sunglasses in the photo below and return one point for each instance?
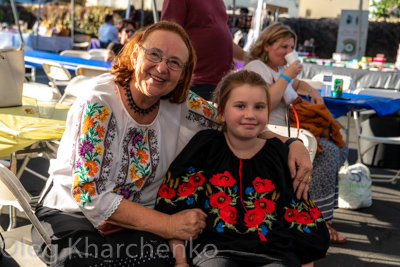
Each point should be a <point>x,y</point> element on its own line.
<point>129,30</point>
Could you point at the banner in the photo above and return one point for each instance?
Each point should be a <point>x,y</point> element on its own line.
<point>348,33</point>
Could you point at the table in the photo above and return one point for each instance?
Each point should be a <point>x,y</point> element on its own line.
<point>361,78</point>
<point>21,127</point>
<point>46,43</point>
<point>37,58</point>
<point>381,105</point>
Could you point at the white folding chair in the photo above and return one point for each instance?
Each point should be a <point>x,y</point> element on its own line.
<point>90,71</point>
<point>76,53</point>
<point>57,74</point>
<point>348,83</point>
<point>40,91</point>
<point>98,53</point>
<point>371,141</point>
<point>307,137</point>
<point>75,86</point>
<point>12,193</point>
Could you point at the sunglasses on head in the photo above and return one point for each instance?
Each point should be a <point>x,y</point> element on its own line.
<point>129,30</point>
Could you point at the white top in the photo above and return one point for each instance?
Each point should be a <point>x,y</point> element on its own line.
<point>105,155</point>
<point>108,33</point>
<point>278,114</point>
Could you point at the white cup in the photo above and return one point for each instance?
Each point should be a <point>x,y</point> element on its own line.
<point>292,57</point>
<point>46,108</point>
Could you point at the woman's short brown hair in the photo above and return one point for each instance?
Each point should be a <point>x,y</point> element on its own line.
<point>123,69</point>
<point>233,80</point>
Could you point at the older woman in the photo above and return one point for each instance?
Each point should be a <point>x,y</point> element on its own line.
<point>122,134</point>
<point>267,57</point>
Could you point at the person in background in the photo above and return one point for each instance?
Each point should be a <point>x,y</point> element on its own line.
<point>135,16</point>
<point>126,30</point>
<point>112,51</point>
<point>108,32</point>
<point>206,23</point>
<point>267,57</point>
<point>243,184</point>
<point>121,135</point>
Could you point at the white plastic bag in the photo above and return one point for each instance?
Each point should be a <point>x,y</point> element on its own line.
<point>355,187</point>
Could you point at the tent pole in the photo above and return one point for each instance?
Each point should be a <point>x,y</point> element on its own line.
<point>128,10</point>
<point>16,18</point>
<point>72,22</point>
<point>155,13</point>
<point>142,15</point>
<point>360,15</point>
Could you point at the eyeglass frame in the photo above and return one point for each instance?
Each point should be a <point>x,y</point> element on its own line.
<point>167,60</point>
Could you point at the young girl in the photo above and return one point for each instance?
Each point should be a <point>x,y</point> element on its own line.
<point>244,186</point>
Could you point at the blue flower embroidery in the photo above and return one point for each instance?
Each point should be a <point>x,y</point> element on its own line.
<point>220,229</point>
<point>235,188</point>
<point>305,229</point>
<point>189,201</point>
<point>207,204</point>
<point>263,230</point>
<point>190,169</point>
<point>249,190</point>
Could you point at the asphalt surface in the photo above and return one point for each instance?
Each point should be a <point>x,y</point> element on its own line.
<point>373,233</point>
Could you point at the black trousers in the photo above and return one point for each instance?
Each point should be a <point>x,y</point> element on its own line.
<point>75,242</point>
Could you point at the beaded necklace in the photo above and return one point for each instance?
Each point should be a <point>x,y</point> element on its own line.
<point>133,105</point>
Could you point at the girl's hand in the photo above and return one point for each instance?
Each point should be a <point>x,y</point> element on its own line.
<point>293,70</point>
<point>181,264</point>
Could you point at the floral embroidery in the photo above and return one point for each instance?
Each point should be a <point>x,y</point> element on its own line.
<point>304,215</point>
<point>90,151</point>
<point>223,201</point>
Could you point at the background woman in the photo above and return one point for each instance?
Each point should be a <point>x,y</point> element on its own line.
<point>122,133</point>
<point>267,57</point>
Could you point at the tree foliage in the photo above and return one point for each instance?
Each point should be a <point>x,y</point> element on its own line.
<point>385,9</point>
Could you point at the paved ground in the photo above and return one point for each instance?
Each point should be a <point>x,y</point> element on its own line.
<point>373,233</point>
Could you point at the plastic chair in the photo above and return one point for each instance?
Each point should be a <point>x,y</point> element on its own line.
<point>57,74</point>
<point>97,53</point>
<point>307,137</point>
<point>75,86</point>
<point>90,71</point>
<point>12,193</point>
<point>76,53</point>
<point>373,141</point>
<point>348,83</point>
<point>81,41</point>
<point>40,91</point>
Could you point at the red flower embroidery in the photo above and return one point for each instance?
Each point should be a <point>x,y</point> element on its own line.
<point>315,213</point>
<point>228,214</point>
<point>253,218</point>
<point>166,192</point>
<point>222,179</point>
<point>219,200</point>
<point>303,218</point>
<point>291,215</point>
<point>265,205</point>
<point>263,185</point>
<point>185,189</point>
<point>197,179</point>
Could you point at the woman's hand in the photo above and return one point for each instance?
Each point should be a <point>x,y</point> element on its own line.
<point>316,97</point>
<point>293,70</point>
<point>300,168</point>
<point>187,224</point>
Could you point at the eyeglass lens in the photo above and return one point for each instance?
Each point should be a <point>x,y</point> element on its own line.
<point>155,56</point>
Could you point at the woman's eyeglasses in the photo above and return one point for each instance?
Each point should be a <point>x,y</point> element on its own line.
<point>129,30</point>
<point>155,55</point>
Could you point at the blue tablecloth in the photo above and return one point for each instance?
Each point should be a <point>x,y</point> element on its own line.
<point>382,105</point>
<point>44,43</point>
<point>36,58</point>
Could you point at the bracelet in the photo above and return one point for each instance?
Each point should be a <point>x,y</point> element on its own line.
<point>285,77</point>
<point>291,140</point>
<point>309,91</point>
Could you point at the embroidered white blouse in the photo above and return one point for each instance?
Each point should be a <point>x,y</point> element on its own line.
<point>278,114</point>
<point>105,155</point>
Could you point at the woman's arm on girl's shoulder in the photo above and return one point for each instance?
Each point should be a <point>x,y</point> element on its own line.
<point>299,164</point>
